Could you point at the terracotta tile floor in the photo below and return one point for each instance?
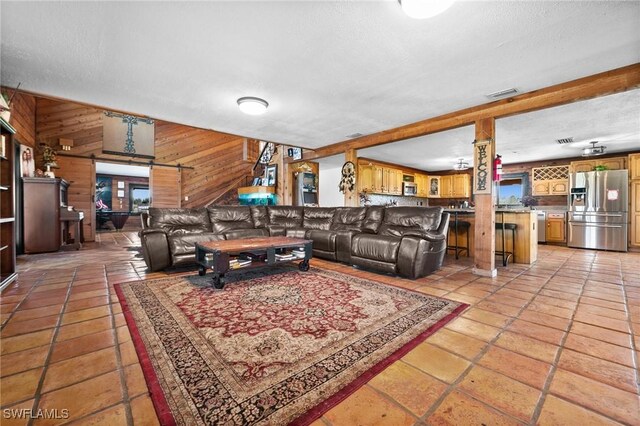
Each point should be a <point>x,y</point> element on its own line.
<point>553,343</point>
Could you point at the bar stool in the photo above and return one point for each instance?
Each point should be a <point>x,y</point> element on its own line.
<point>460,225</point>
<point>506,254</point>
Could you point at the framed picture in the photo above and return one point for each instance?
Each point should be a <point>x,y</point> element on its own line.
<point>271,175</point>
<point>120,184</point>
<point>120,193</point>
<point>27,161</point>
<point>295,153</point>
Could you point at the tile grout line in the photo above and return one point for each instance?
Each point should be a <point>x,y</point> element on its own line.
<point>473,362</point>
<point>26,295</point>
<point>52,343</point>
<point>554,365</point>
<point>121,372</point>
<point>634,349</point>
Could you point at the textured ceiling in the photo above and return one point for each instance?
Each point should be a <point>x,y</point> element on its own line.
<point>612,120</point>
<point>328,69</point>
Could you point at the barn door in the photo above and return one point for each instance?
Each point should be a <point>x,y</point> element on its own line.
<point>165,186</point>
<point>81,175</point>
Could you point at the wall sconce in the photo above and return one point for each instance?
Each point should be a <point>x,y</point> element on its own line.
<point>66,144</point>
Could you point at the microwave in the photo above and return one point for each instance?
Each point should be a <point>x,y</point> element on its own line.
<point>409,189</point>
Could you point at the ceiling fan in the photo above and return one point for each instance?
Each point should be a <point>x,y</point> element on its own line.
<point>461,165</point>
<point>593,150</point>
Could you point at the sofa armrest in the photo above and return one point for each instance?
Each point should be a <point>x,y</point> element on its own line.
<point>343,245</point>
<point>155,249</point>
<point>277,231</point>
<point>426,235</point>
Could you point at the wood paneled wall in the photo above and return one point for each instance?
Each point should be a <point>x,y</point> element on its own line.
<point>81,175</point>
<point>23,117</point>
<point>219,159</point>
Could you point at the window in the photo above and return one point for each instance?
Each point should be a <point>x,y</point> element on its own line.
<point>513,187</point>
<point>139,197</point>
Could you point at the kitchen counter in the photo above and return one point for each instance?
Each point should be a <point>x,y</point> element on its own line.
<point>526,250</point>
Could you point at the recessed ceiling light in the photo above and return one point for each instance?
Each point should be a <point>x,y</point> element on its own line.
<point>252,106</point>
<point>422,9</point>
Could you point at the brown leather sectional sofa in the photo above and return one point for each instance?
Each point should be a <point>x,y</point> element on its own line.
<point>408,241</point>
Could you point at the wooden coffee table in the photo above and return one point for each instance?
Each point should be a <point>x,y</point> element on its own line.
<point>222,256</point>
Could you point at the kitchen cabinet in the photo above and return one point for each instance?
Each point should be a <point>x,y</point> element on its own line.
<point>461,185</point>
<point>446,186</point>
<point>634,166</point>
<point>634,198</point>
<point>434,187</point>
<point>556,228</point>
<point>378,180</point>
<point>550,180</point>
<point>559,187</point>
<point>634,234</point>
<point>392,181</point>
<point>423,184</point>
<point>365,178</point>
<point>613,163</point>
<point>375,179</point>
<point>454,186</point>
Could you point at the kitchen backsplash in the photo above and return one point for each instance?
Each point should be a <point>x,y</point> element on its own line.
<point>381,200</point>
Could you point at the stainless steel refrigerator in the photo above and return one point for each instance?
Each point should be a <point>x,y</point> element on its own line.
<point>598,207</point>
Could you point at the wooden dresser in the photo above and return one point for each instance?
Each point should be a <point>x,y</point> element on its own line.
<point>42,200</point>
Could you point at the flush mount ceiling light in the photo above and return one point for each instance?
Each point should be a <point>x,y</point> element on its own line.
<point>461,165</point>
<point>422,9</point>
<point>593,150</point>
<point>252,106</point>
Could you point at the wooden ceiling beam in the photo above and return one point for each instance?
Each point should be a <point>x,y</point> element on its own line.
<point>606,83</point>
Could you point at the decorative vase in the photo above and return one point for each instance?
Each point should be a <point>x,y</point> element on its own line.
<point>49,173</point>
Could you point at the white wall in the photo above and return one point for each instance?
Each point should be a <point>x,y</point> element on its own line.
<point>330,175</point>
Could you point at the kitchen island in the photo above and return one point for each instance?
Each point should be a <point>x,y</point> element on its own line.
<point>526,250</point>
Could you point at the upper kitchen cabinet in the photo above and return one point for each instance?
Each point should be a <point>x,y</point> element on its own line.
<point>434,187</point>
<point>550,180</point>
<point>423,184</point>
<point>634,166</point>
<point>454,186</point>
<point>376,179</point>
<point>614,163</point>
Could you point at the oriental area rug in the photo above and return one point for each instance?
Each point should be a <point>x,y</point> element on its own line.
<point>276,346</point>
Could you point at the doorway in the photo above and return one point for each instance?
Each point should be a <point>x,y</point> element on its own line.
<point>122,194</point>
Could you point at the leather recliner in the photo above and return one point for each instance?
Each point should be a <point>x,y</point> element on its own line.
<point>409,241</point>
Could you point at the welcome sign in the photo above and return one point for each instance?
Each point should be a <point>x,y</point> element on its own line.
<point>482,167</point>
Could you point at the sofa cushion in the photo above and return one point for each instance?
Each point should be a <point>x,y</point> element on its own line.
<point>399,221</point>
<point>375,247</point>
<point>296,233</point>
<point>287,216</point>
<point>318,217</point>
<point>373,219</point>
<point>237,234</point>
<point>348,218</point>
<point>180,221</point>
<point>322,240</point>
<point>260,216</point>
<point>228,218</point>
<point>186,244</point>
